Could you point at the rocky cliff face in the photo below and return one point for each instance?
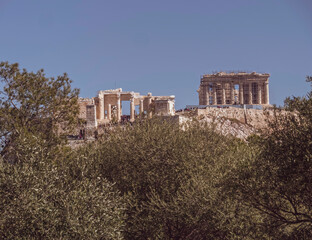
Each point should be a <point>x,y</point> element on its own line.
<point>230,126</point>
<point>237,122</point>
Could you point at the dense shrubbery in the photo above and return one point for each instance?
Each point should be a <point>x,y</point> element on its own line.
<point>46,190</point>
<point>165,186</point>
<point>170,178</point>
<point>278,182</point>
<point>54,198</point>
<point>153,180</point>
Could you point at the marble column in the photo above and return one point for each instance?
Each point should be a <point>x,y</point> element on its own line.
<point>207,95</point>
<point>141,107</point>
<point>241,93</point>
<point>214,94</point>
<point>223,94</point>
<point>104,107</point>
<point>109,112</point>
<point>132,108</point>
<point>250,93</point>
<point>150,112</point>
<point>232,93</point>
<point>101,106</point>
<point>259,100</point>
<point>118,108</point>
<point>266,90</point>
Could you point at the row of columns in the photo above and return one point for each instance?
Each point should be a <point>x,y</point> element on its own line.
<point>241,94</point>
<point>132,108</point>
<point>118,105</point>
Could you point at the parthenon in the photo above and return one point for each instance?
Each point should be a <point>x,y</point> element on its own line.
<point>234,88</point>
<point>107,106</point>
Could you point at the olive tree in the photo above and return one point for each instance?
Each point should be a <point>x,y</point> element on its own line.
<point>49,197</point>
<point>277,181</point>
<point>32,104</point>
<point>170,178</point>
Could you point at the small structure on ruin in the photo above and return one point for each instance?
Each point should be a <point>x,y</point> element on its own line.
<point>229,88</point>
<point>107,106</point>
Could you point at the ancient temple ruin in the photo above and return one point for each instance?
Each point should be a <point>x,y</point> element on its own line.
<point>107,106</point>
<point>229,88</point>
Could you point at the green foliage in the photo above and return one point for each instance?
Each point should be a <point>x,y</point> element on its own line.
<point>148,180</point>
<point>277,182</point>
<point>48,198</point>
<point>32,104</point>
<point>170,178</point>
<point>46,190</point>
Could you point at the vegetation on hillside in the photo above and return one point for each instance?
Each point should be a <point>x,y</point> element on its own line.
<point>151,180</point>
<point>278,181</point>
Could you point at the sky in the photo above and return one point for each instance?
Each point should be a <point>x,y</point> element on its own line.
<point>161,46</point>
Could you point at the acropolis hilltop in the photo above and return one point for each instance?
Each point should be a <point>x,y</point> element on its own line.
<point>220,89</point>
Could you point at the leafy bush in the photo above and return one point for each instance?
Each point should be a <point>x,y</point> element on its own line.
<point>170,178</point>
<point>53,198</point>
<point>277,182</point>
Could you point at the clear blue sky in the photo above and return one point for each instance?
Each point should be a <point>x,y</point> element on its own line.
<point>160,46</point>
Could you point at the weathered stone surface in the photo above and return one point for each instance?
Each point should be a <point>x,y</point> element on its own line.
<point>253,117</point>
<point>108,105</point>
<point>83,102</point>
<point>91,116</point>
<point>237,122</point>
<point>234,88</point>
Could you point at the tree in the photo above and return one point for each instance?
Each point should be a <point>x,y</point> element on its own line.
<point>34,106</point>
<point>277,181</point>
<point>49,192</point>
<point>49,197</point>
<point>170,178</point>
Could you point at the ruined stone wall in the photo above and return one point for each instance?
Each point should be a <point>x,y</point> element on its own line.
<point>108,105</point>
<point>83,102</point>
<point>97,104</point>
<point>164,107</point>
<point>91,116</point>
